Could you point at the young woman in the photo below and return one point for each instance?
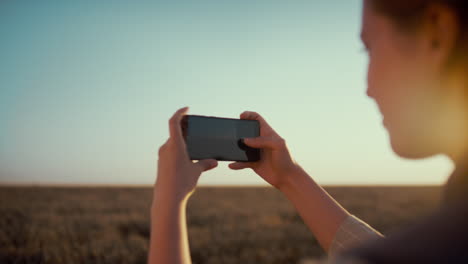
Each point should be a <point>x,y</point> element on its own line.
<point>417,75</point>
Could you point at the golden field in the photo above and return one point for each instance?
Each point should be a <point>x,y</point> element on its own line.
<point>226,224</point>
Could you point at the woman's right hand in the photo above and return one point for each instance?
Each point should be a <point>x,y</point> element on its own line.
<point>319,211</point>
<point>276,165</point>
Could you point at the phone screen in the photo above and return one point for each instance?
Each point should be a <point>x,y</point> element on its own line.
<point>219,138</point>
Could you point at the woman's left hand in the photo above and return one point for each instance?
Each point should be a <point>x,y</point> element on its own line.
<point>177,175</point>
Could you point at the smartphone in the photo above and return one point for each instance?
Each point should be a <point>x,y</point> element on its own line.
<point>209,137</point>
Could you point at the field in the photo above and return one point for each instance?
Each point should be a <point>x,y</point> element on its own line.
<point>226,224</point>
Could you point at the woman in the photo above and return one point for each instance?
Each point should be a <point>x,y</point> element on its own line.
<point>417,76</point>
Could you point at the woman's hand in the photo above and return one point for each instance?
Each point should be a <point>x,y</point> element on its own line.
<point>276,164</point>
<point>320,212</point>
<point>177,175</point>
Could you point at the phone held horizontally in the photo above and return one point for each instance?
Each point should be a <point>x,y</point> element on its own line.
<point>209,137</point>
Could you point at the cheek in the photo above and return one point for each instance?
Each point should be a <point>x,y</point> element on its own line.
<point>389,84</point>
<point>386,75</point>
<point>402,86</point>
<point>399,79</point>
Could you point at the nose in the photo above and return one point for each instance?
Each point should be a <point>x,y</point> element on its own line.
<point>370,92</point>
<point>372,95</point>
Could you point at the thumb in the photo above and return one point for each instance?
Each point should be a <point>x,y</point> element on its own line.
<point>240,165</point>
<point>207,164</point>
<point>260,142</point>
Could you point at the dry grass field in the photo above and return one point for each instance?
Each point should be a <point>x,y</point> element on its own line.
<point>226,225</point>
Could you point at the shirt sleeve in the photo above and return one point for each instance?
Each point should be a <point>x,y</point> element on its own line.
<point>351,232</point>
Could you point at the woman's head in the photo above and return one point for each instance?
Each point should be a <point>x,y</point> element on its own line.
<point>418,59</point>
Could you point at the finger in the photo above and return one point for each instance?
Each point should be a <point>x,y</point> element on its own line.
<point>207,164</point>
<point>263,142</point>
<point>250,115</point>
<point>240,165</point>
<point>175,130</point>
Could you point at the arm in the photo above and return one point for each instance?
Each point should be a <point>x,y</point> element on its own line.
<point>177,178</point>
<point>351,232</point>
<point>332,225</point>
<point>168,240</point>
<point>320,212</point>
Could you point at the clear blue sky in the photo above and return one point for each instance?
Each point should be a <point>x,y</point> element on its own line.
<point>87,88</point>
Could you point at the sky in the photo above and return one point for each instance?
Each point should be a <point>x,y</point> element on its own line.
<point>87,88</point>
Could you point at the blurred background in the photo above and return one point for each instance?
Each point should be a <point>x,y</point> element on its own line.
<point>87,88</point>
<point>86,92</point>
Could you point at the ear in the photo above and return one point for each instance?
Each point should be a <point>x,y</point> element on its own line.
<point>442,31</point>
